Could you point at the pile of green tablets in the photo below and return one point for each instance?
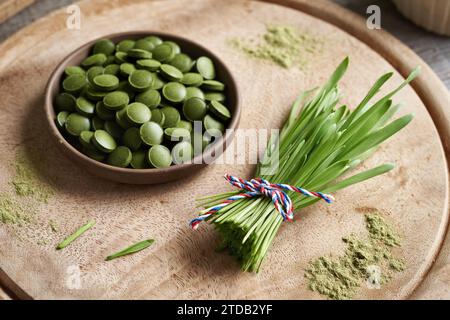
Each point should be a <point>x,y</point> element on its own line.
<point>133,103</point>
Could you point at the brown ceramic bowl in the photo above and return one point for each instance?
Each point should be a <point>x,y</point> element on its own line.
<point>141,176</point>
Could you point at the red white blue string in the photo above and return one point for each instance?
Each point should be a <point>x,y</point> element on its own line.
<point>260,187</point>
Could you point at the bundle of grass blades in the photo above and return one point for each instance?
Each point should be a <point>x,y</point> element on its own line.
<point>318,144</point>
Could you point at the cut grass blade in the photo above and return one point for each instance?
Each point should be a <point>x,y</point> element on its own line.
<point>132,249</point>
<point>75,235</point>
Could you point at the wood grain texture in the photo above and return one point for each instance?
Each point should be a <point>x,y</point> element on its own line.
<point>432,92</point>
<point>183,264</point>
<point>8,8</point>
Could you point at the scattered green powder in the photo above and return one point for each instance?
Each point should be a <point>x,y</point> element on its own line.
<point>29,191</point>
<point>397,264</point>
<point>340,277</point>
<point>53,226</point>
<point>26,180</point>
<point>12,212</point>
<point>283,45</point>
<point>380,230</point>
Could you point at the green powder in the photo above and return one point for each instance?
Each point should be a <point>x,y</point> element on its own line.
<point>282,45</point>
<point>20,206</point>
<point>26,180</point>
<point>53,226</point>
<point>340,277</point>
<point>12,212</point>
<point>381,231</point>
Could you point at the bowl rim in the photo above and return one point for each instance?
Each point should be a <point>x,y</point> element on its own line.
<point>218,146</point>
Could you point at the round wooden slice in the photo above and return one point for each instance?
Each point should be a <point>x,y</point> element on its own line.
<point>183,264</point>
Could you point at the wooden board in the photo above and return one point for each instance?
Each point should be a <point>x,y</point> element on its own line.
<point>8,8</point>
<point>429,87</point>
<point>4,295</point>
<point>182,263</point>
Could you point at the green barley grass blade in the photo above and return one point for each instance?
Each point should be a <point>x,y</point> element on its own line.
<point>388,115</point>
<point>295,110</point>
<point>271,151</point>
<point>362,125</point>
<point>330,161</point>
<point>132,249</point>
<point>317,156</point>
<point>410,78</point>
<point>204,201</point>
<point>360,177</point>
<point>378,136</point>
<point>300,133</point>
<point>360,129</point>
<point>337,75</point>
<point>75,235</point>
<point>327,175</point>
<point>372,119</point>
<point>372,92</point>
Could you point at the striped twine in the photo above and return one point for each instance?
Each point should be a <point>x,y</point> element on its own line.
<point>261,187</point>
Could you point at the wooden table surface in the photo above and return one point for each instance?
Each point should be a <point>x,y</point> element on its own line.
<point>434,49</point>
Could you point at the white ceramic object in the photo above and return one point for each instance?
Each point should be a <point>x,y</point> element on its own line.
<point>433,15</point>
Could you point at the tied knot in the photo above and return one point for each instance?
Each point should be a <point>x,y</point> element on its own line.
<point>261,187</point>
<point>258,186</point>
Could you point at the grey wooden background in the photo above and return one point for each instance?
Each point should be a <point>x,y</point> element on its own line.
<point>434,49</point>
